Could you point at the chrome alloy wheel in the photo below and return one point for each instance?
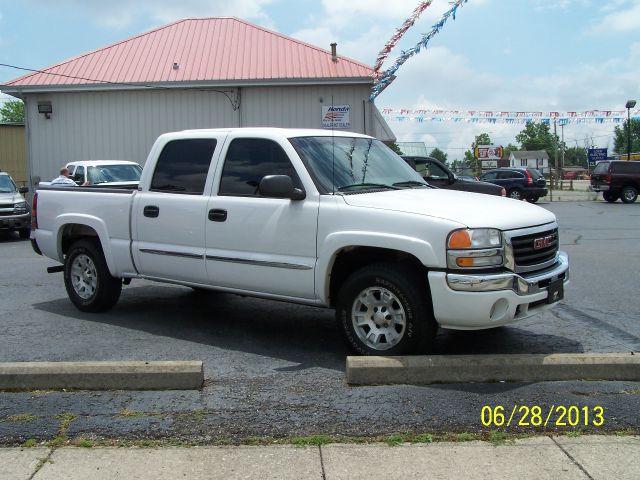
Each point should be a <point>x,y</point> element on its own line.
<point>84,276</point>
<point>378,317</point>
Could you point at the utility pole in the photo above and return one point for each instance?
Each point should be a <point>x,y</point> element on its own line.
<point>555,160</point>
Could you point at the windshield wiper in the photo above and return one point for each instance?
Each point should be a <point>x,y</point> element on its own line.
<point>410,183</point>
<point>367,185</point>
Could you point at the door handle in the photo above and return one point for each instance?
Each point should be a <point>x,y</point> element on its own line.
<point>217,215</point>
<point>151,211</point>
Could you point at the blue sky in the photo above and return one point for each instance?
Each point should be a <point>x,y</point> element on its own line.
<point>515,55</point>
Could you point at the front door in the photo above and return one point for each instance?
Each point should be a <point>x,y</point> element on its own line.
<point>254,243</point>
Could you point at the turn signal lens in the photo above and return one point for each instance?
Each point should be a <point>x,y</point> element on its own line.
<point>465,262</point>
<point>460,239</point>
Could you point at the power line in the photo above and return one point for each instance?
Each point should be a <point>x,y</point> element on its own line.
<point>234,104</point>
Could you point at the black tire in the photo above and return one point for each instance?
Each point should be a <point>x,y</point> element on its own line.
<point>395,288</point>
<point>24,233</point>
<point>89,284</point>
<point>609,197</point>
<point>515,193</point>
<point>629,194</point>
<point>533,199</point>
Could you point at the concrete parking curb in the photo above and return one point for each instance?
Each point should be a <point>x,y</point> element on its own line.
<point>125,375</point>
<point>492,368</point>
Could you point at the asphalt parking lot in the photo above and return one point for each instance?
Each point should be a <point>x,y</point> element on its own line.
<point>277,370</point>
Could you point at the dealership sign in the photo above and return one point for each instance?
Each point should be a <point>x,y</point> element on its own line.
<point>336,116</point>
<point>488,152</point>
<point>595,155</point>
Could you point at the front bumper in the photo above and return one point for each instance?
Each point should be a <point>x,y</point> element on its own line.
<point>477,301</point>
<point>15,222</point>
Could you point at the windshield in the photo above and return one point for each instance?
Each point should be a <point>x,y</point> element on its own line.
<point>342,163</point>
<point>114,173</point>
<point>6,184</point>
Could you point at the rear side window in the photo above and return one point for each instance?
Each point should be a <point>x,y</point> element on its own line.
<point>183,166</point>
<point>510,174</point>
<point>248,160</point>
<point>601,167</point>
<point>626,167</point>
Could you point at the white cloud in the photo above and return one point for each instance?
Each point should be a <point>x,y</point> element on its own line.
<point>625,20</point>
<point>444,80</point>
<point>121,13</point>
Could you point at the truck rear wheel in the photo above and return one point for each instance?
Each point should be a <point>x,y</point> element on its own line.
<point>629,194</point>
<point>89,284</point>
<point>609,197</point>
<point>383,309</point>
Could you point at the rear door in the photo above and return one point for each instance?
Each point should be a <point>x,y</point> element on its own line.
<point>170,217</point>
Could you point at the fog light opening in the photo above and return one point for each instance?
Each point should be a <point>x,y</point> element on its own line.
<point>499,310</point>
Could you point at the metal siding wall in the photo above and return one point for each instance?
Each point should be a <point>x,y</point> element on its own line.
<point>13,157</point>
<point>115,125</point>
<point>124,124</point>
<point>302,106</point>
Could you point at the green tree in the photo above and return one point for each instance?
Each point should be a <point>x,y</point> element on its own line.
<point>620,133</point>
<point>536,136</point>
<point>506,151</point>
<point>482,139</point>
<point>394,146</point>
<point>575,156</point>
<point>12,112</point>
<point>439,155</point>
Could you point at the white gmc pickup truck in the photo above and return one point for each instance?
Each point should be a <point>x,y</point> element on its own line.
<point>323,218</point>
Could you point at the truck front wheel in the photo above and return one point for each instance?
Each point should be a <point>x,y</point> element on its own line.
<point>383,310</point>
<point>89,284</point>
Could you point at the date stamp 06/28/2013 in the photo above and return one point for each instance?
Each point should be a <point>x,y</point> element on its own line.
<point>538,416</point>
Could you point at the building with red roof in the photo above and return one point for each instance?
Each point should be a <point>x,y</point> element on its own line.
<point>194,73</point>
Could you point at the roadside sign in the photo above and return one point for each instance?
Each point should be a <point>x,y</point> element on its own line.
<point>488,152</point>
<point>595,155</point>
<point>336,116</point>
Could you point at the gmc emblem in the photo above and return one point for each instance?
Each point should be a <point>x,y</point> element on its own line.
<point>543,242</point>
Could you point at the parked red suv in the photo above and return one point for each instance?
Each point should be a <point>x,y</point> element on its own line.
<point>617,179</point>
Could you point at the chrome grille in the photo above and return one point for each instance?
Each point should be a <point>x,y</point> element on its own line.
<point>535,249</point>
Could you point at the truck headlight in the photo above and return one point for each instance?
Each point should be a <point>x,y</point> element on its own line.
<point>20,207</point>
<point>475,248</point>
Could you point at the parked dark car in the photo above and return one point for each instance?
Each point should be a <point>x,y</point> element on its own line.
<point>520,183</point>
<point>15,211</point>
<point>437,174</point>
<point>617,179</point>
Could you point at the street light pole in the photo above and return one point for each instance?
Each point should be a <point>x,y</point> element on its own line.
<point>630,104</point>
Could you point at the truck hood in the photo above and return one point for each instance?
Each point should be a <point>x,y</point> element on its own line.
<point>474,210</point>
<point>13,197</point>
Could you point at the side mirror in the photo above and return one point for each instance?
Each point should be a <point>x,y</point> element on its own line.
<point>23,190</point>
<point>280,186</point>
<point>452,177</point>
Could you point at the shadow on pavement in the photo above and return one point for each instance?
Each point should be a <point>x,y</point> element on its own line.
<point>305,335</point>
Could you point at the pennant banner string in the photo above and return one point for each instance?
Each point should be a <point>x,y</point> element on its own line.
<point>408,23</point>
<point>475,116</point>
<point>384,79</point>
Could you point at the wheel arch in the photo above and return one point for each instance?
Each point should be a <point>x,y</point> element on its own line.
<point>350,259</point>
<point>70,230</point>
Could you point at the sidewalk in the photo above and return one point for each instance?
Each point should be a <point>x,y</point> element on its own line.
<point>572,196</point>
<point>582,457</point>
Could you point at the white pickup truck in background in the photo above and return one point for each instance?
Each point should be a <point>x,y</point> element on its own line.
<point>323,218</point>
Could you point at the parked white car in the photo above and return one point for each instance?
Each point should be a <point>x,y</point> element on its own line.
<point>105,172</point>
